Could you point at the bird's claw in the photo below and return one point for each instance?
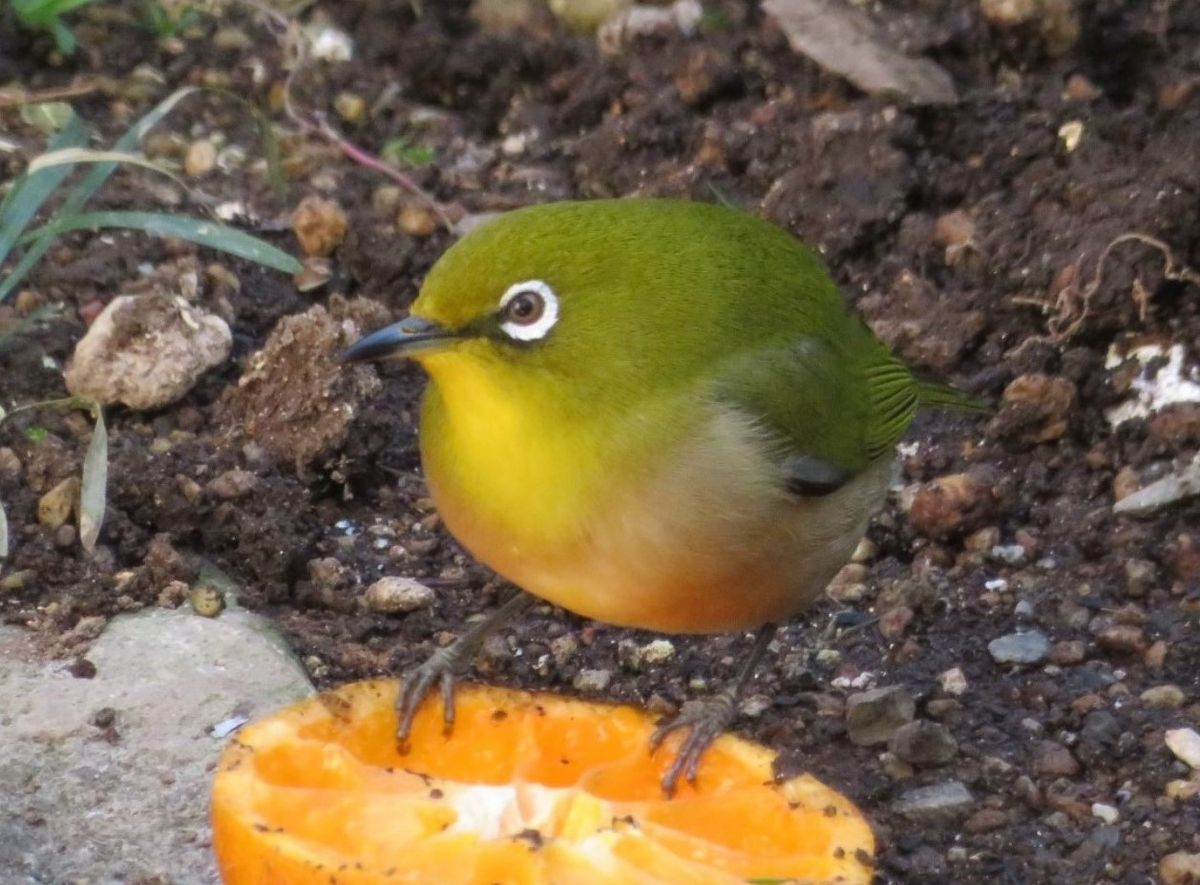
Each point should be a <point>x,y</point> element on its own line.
<point>440,669</point>
<point>706,718</point>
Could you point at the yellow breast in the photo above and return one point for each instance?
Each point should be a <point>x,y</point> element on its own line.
<point>671,521</point>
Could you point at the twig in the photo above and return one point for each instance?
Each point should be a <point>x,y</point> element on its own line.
<point>17,96</point>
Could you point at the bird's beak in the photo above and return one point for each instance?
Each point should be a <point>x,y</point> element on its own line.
<point>411,336</point>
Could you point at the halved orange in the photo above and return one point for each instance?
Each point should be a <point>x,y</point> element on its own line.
<point>529,789</point>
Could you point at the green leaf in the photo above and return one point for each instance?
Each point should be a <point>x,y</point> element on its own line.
<point>32,190</point>
<point>36,434</point>
<point>64,38</point>
<point>207,233</point>
<point>94,488</point>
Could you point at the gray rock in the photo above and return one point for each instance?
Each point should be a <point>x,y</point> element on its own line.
<point>943,801</point>
<point>924,743</point>
<point>872,717</point>
<point>107,779</point>
<point>1020,648</point>
<point>592,680</point>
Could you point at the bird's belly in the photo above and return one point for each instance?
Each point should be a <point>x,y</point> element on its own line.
<point>707,542</point>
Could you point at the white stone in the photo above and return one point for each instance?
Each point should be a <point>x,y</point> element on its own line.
<point>80,808</point>
<point>1185,744</point>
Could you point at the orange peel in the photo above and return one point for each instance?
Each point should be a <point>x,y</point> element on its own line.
<point>528,789</point>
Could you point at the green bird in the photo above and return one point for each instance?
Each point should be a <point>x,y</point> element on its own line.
<point>654,413</point>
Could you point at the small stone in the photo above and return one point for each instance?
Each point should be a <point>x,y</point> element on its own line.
<point>895,767</point>
<point>563,648</point>
<point>1180,868</point>
<point>894,621</point>
<point>953,681</point>
<point>392,595</point>
<point>1156,654</point>
<point>1164,697</point>
<point>10,464</point>
<point>985,820</point>
<point>954,230</point>
<point>1125,483</point>
<point>872,717</point>
<point>983,540</point>
<point>319,224</point>
<point>350,106</point>
<point>1185,744</point>
<point>1080,88</point>
<point>1182,790</point>
<point>232,39</point>
<point>64,536</point>
<point>15,580</point>
<point>946,505</point>
<point>55,507</point>
<point>592,680</point>
<point>1140,576</point>
<point>1054,760</point>
<point>923,743</point>
<point>1020,648</point>
<point>416,221</point>
<point>1034,408</point>
<point>231,484</point>
<point>200,159</point>
<point>1106,813</point>
<point>1125,639</point>
<point>864,552</point>
<point>658,651</point>
<point>207,601</point>
<point>1067,652</point>
<point>1008,13</point>
<point>937,802</point>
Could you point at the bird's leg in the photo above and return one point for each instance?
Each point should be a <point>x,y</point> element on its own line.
<point>443,666</point>
<point>708,717</point>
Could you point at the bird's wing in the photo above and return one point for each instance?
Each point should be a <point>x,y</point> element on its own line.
<point>831,406</point>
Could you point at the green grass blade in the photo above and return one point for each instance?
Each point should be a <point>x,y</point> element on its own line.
<point>91,183</point>
<point>33,188</point>
<point>207,233</point>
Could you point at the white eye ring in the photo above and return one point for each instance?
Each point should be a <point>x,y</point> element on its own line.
<point>539,327</point>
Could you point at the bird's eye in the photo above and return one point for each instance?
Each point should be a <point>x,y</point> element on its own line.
<point>526,307</point>
<point>528,310</point>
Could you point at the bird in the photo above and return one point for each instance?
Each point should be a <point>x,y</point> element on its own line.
<point>654,413</point>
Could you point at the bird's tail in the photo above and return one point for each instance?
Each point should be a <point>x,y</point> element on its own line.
<point>935,395</point>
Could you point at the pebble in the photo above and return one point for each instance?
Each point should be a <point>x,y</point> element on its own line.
<point>231,484</point>
<point>10,464</point>
<point>1020,648</point>
<point>1035,408</point>
<point>1069,651</point>
<point>1185,744</point>
<point>592,680</point>
<point>985,820</point>
<point>945,505</point>
<point>392,595</point>
<point>1140,576</point>
<point>872,717</point>
<point>54,507</point>
<point>350,106</point>
<point>923,743</point>
<point>939,801</point>
<point>200,159</point>
<point>207,601</point>
<point>1054,760</point>
<point>319,224</point>
<point>1106,813</point>
<point>1164,697</point>
<point>953,681</point>
<point>895,621</point>
<point>658,651</point>
<point>1180,868</point>
<point>416,221</point>
<point>1125,639</point>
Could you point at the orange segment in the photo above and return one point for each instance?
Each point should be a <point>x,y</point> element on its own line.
<point>530,789</point>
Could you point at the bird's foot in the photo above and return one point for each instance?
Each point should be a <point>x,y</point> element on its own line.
<point>706,718</point>
<point>438,669</point>
<point>444,664</point>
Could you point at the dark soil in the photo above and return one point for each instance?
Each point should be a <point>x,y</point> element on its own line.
<point>967,235</point>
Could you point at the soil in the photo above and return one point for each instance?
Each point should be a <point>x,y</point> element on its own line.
<point>968,235</point>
